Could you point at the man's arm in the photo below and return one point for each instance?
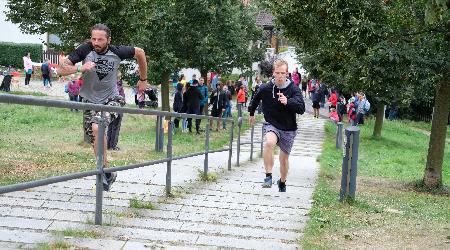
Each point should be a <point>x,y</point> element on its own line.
<point>254,103</point>
<point>139,54</point>
<point>66,67</point>
<point>296,103</point>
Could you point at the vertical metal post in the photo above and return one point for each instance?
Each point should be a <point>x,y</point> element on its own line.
<point>157,133</point>
<point>339,135</point>
<point>205,162</point>
<point>169,162</point>
<point>262,139</point>
<point>230,148</point>
<point>238,144</point>
<point>350,164</point>
<point>99,177</point>
<point>251,142</point>
<point>161,134</point>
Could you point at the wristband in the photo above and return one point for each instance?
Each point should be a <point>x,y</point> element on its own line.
<point>142,80</point>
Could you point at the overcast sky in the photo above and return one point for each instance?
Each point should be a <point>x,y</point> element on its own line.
<point>10,32</point>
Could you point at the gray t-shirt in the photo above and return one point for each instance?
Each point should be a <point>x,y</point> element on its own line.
<point>100,84</point>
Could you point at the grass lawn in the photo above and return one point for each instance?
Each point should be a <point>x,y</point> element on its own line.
<point>38,142</point>
<point>422,125</point>
<point>389,211</point>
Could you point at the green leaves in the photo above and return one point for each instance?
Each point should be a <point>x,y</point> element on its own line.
<point>383,48</point>
<point>209,35</point>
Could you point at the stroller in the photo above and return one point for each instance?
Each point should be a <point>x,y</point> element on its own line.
<point>151,98</point>
<point>6,83</point>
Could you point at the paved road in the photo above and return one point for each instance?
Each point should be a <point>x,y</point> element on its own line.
<point>234,212</point>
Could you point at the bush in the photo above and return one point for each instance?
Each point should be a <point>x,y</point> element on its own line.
<point>12,53</point>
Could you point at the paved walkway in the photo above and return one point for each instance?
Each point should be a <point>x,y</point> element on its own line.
<point>234,212</point>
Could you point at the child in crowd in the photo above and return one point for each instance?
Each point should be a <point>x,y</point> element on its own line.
<point>73,89</point>
<point>240,99</point>
<point>141,98</point>
<point>351,113</point>
<point>334,115</point>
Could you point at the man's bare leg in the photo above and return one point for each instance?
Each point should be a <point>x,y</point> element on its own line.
<point>284,165</point>
<point>95,130</point>
<point>269,146</point>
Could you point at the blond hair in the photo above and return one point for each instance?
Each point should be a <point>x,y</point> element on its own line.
<point>279,63</point>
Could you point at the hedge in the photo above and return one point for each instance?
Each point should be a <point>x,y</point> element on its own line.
<point>11,54</point>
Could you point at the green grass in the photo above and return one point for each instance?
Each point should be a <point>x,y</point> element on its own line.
<point>135,203</point>
<point>422,125</point>
<point>210,177</point>
<point>38,142</point>
<point>388,211</point>
<point>16,92</point>
<point>79,233</point>
<point>54,245</point>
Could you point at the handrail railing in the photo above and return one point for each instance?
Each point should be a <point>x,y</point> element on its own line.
<point>99,171</point>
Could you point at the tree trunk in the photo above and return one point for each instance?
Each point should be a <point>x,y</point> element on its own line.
<point>165,91</point>
<point>379,120</point>
<point>204,74</point>
<point>433,170</point>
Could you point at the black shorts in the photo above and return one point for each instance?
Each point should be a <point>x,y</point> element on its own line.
<point>216,113</point>
<point>316,104</point>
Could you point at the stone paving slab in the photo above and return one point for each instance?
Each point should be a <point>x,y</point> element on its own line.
<point>17,222</point>
<point>24,236</point>
<point>96,243</point>
<point>136,245</point>
<point>234,212</point>
<point>243,243</point>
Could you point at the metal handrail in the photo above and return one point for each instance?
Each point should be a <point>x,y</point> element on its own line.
<point>99,172</point>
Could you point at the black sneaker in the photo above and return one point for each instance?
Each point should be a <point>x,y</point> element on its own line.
<point>108,181</point>
<point>267,182</point>
<point>281,186</point>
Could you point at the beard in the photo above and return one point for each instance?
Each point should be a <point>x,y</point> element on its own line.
<point>100,49</point>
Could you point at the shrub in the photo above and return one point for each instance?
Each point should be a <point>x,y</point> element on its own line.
<point>12,53</point>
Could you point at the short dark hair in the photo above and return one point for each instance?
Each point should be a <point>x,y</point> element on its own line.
<point>101,26</point>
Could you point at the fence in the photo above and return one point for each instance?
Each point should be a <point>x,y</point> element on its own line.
<point>100,171</point>
<point>50,55</point>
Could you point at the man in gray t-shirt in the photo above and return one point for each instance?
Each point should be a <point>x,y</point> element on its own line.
<point>100,66</point>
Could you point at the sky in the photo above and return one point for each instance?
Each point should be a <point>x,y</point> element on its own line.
<point>10,32</point>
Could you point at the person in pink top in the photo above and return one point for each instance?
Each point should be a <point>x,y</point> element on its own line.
<point>296,77</point>
<point>28,67</point>
<point>334,115</point>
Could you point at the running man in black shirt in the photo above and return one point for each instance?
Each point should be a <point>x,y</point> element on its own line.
<point>100,67</point>
<point>281,100</point>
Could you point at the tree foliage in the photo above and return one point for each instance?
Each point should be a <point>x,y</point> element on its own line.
<point>209,35</point>
<point>389,49</point>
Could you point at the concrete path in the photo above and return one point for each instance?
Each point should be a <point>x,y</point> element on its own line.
<point>234,212</point>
